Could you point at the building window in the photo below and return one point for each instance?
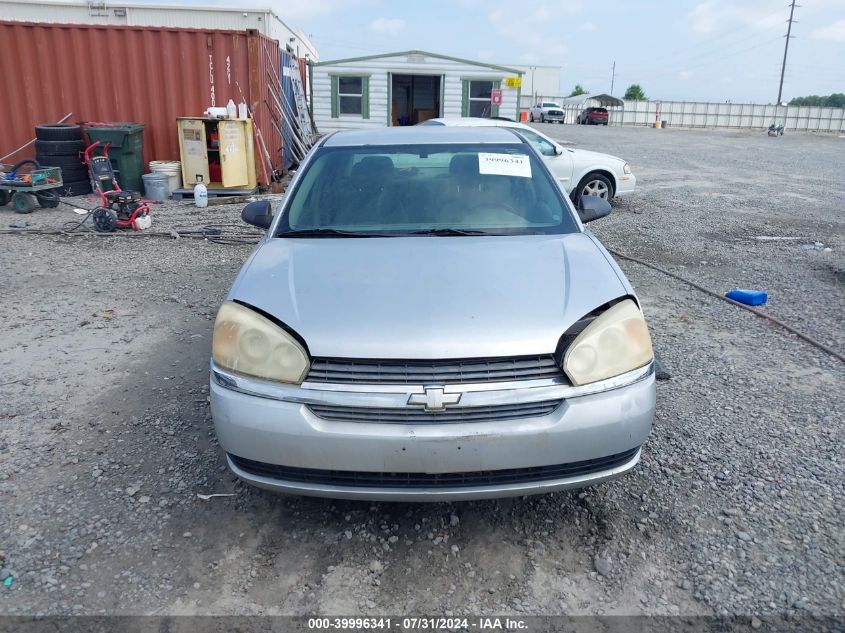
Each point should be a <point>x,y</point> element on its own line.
<point>477,94</point>
<point>350,96</point>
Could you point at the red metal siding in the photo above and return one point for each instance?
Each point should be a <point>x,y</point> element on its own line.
<point>148,75</point>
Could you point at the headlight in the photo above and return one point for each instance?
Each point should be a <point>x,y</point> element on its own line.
<point>617,341</point>
<point>248,343</point>
<point>626,168</point>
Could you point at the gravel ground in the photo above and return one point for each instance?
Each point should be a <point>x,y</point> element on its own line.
<point>106,440</point>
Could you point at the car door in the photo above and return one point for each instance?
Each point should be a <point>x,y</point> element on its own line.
<point>558,159</point>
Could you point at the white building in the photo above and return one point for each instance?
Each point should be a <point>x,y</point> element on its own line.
<point>408,87</point>
<point>540,81</point>
<point>188,16</point>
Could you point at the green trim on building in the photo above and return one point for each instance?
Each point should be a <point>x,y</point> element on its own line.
<point>335,93</point>
<point>335,99</point>
<point>424,53</point>
<point>464,97</point>
<point>494,109</point>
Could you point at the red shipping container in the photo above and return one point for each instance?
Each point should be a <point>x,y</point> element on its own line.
<point>148,75</point>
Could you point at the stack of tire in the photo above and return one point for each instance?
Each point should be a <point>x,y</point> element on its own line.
<point>61,145</point>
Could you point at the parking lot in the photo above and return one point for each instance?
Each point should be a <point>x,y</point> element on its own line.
<point>736,508</point>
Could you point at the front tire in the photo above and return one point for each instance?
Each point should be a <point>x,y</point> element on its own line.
<point>530,117</point>
<point>594,184</point>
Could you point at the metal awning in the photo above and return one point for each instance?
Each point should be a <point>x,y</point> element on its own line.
<point>606,100</point>
<point>602,100</point>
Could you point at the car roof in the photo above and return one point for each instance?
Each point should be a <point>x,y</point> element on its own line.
<point>421,135</point>
<point>477,122</point>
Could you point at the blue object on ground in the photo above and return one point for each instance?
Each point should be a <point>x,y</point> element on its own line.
<point>8,582</point>
<point>748,297</point>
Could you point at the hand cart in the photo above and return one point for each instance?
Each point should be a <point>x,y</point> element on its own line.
<point>29,188</point>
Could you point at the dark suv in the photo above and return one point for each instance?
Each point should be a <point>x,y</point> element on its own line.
<point>593,116</point>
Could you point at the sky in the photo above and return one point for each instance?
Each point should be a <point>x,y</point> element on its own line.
<point>711,50</point>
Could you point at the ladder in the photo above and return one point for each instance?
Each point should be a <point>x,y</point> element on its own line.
<point>305,128</point>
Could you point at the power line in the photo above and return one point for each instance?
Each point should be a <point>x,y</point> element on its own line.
<point>786,49</point>
<point>712,45</point>
<point>667,71</point>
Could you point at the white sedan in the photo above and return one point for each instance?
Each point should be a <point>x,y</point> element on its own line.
<point>580,171</point>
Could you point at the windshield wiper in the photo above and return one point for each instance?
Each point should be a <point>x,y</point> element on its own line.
<point>436,232</point>
<point>330,233</point>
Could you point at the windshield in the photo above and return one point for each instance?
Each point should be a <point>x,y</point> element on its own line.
<point>549,104</point>
<point>425,190</point>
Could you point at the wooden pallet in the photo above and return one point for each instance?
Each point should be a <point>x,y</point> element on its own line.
<point>182,194</point>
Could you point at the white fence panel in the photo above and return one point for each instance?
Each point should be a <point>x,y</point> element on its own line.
<point>712,114</point>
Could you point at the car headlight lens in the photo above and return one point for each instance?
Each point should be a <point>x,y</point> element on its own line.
<point>249,343</point>
<point>617,341</point>
<point>626,169</point>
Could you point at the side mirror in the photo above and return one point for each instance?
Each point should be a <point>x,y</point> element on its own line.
<point>592,208</point>
<point>258,213</point>
<point>558,150</point>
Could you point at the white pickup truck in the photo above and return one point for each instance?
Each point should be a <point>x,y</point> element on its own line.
<point>546,112</point>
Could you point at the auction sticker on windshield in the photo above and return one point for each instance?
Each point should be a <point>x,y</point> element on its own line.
<point>504,164</point>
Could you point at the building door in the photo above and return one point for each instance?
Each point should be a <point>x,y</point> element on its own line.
<point>414,98</point>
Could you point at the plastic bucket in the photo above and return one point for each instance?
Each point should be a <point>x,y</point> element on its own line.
<point>156,187</point>
<point>171,168</point>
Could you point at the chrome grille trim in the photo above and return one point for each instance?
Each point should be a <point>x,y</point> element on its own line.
<point>441,372</point>
<point>455,415</point>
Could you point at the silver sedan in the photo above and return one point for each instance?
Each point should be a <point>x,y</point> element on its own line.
<point>426,318</point>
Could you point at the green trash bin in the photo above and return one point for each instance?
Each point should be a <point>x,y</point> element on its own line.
<point>126,151</point>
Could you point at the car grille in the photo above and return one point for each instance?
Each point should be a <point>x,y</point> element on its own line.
<point>356,479</point>
<point>555,112</point>
<point>455,415</point>
<point>405,372</point>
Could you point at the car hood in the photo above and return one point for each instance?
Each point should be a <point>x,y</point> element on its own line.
<point>429,297</point>
<point>587,156</point>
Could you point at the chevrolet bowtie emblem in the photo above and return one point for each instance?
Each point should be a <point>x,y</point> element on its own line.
<point>434,399</point>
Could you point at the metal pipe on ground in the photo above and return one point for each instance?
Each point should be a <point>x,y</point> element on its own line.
<point>755,311</point>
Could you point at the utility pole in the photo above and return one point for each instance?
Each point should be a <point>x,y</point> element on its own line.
<point>612,78</point>
<point>785,50</point>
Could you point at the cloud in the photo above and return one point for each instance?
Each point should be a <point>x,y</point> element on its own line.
<point>387,26</point>
<point>533,35</point>
<point>685,75</point>
<point>832,33</point>
<point>297,9</point>
<point>714,15</point>
<point>587,27</point>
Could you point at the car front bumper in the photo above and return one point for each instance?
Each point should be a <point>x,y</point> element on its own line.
<point>274,440</point>
<point>625,185</point>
